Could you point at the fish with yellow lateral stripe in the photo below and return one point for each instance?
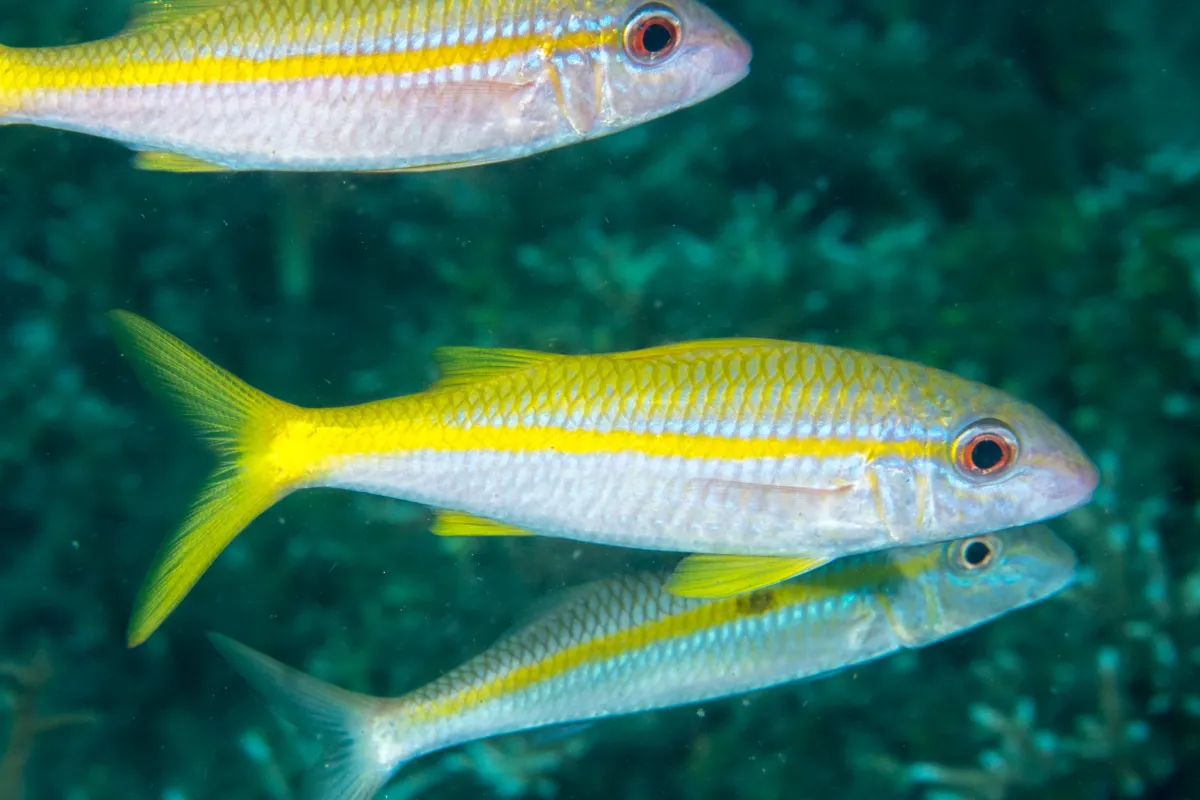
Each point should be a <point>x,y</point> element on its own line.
<point>797,453</point>
<point>626,645</point>
<point>373,85</point>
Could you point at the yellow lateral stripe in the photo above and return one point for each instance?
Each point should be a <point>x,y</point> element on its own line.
<point>115,68</point>
<point>344,442</point>
<point>709,615</point>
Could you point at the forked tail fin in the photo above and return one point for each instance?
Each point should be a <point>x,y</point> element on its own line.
<point>353,766</point>
<point>249,429</point>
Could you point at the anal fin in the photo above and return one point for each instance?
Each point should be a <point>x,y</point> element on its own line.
<point>456,523</point>
<point>164,161</point>
<point>713,576</point>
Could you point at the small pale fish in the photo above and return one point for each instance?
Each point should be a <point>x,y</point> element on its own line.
<point>373,85</point>
<point>735,447</point>
<point>626,645</point>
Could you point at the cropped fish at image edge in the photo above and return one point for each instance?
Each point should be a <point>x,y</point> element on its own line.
<point>373,85</point>
<point>624,645</point>
<point>769,458</point>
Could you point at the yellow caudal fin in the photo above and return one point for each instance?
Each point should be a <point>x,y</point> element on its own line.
<point>713,576</point>
<point>244,425</point>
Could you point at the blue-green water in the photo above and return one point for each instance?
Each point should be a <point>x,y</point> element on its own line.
<point>1007,190</point>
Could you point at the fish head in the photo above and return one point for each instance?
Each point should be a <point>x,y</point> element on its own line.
<point>954,586</point>
<point>663,56</point>
<point>998,462</point>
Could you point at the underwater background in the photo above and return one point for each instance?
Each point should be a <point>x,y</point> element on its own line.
<point>1008,190</point>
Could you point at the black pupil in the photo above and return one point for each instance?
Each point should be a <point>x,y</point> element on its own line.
<point>976,553</point>
<point>656,37</point>
<point>986,454</point>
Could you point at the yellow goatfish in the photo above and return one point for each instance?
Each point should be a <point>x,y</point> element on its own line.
<point>794,454</point>
<point>623,646</point>
<point>373,85</point>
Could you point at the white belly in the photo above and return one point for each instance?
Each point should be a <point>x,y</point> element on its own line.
<point>750,506</point>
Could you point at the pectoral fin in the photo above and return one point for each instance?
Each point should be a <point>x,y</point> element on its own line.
<point>456,523</point>
<point>713,576</point>
<point>803,503</point>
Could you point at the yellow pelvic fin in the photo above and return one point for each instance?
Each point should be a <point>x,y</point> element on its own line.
<point>147,13</point>
<point>461,366</point>
<point>162,161</point>
<point>711,576</point>
<point>247,427</point>
<point>456,523</point>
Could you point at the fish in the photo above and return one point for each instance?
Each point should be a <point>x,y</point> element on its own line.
<point>761,458</point>
<point>626,645</point>
<point>373,85</point>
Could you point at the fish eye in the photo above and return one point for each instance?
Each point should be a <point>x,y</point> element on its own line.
<point>652,34</point>
<point>985,450</point>
<point>974,554</point>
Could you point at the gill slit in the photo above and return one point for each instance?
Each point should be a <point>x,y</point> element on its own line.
<point>881,509</point>
<point>560,94</point>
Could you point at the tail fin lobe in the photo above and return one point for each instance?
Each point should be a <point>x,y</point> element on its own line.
<point>243,424</point>
<point>350,768</point>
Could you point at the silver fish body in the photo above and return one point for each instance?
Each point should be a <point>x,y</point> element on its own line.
<point>625,645</point>
<point>374,84</point>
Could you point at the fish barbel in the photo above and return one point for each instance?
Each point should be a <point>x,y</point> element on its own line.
<point>373,85</point>
<point>625,645</point>
<point>739,447</point>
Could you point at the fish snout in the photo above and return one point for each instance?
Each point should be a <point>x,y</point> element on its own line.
<point>727,52</point>
<point>739,48</point>
<point>1068,479</point>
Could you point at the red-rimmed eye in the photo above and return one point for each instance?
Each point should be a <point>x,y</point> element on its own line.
<point>985,450</point>
<point>652,34</point>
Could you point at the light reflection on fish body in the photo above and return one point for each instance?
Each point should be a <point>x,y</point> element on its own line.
<point>374,84</point>
<point>624,645</point>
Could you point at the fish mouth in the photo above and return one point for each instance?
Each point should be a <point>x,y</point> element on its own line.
<point>1048,567</point>
<point>1077,483</point>
<point>728,65</point>
<point>741,49</point>
<point>730,52</point>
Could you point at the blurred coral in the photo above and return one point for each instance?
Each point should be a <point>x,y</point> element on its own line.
<point>1006,190</point>
<point>28,723</point>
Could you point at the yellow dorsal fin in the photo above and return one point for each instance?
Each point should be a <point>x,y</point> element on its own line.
<point>162,161</point>
<point>456,523</point>
<point>681,348</point>
<point>465,365</point>
<point>159,12</point>
<point>711,576</point>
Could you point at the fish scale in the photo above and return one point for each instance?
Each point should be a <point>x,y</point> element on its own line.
<point>626,645</point>
<point>366,84</point>
<point>769,457</point>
